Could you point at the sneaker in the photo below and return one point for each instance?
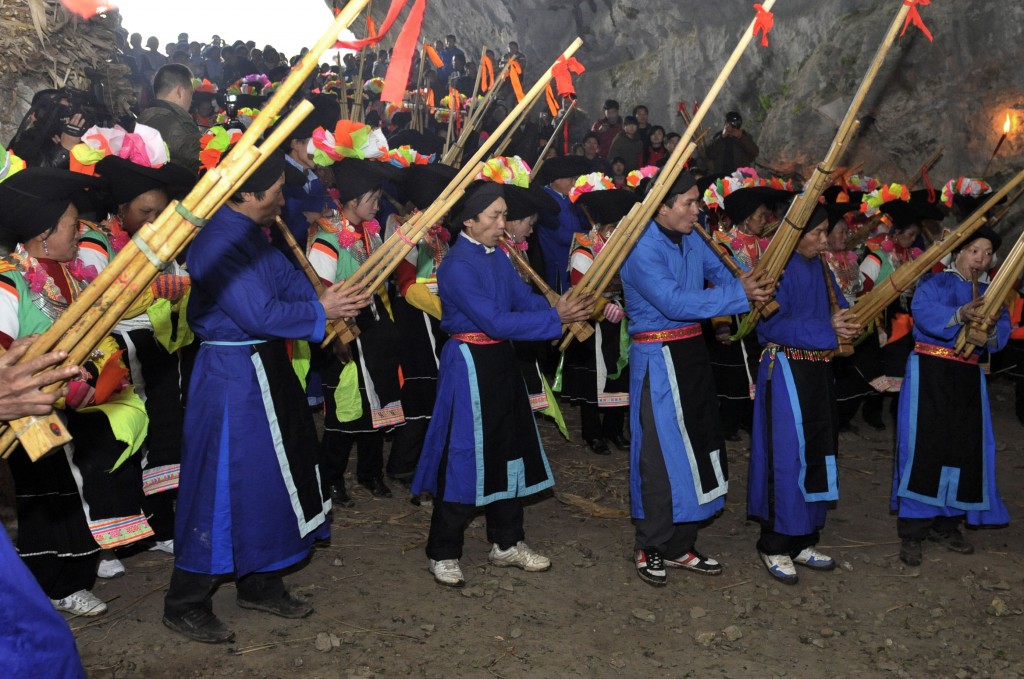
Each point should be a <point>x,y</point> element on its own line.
<point>82,602</point>
<point>447,572</point>
<point>954,541</point>
<point>520,556</point>
<point>910,552</point>
<point>285,606</point>
<point>110,568</point>
<point>650,567</point>
<point>340,496</point>
<point>163,546</point>
<point>696,562</point>
<point>812,558</point>
<point>199,624</point>
<point>781,567</point>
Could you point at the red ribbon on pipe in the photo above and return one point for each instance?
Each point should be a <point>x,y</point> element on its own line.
<point>914,17</point>
<point>396,8</point>
<point>514,69</point>
<point>486,74</point>
<point>763,23</point>
<point>562,72</point>
<point>397,77</point>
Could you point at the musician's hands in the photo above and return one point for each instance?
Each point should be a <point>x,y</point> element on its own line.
<point>342,303</point>
<point>757,286</point>
<point>613,312</point>
<point>845,324</point>
<point>573,310</point>
<point>20,393</point>
<point>971,312</point>
<point>722,334</point>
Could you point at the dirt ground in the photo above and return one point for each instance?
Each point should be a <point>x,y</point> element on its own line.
<point>379,613</point>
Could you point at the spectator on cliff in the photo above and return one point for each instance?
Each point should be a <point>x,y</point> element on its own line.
<point>214,66</point>
<point>154,60</point>
<point>169,115</point>
<point>607,127</point>
<point>655,152</point>
<point>732,147</point>
<point>513,53</point>
<point>380,67</point>
<point>448,54</point>
<point>643,125</point>
<point>592,152</point>
<point>627,145</point>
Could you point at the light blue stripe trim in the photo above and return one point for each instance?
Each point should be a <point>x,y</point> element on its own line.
<point>305,527</point>
<point>222,558</point>
<point>244,343</point>
<point>832,492</point>
<point>478,428</point>
<point>723,485</point>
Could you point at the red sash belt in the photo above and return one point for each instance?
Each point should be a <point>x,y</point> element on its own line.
<point>685,332</point>
<point>799,354</point>
<point>944,352</point>
<point>475,338</point>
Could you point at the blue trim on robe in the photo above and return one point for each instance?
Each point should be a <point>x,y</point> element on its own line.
<point>832,493</point>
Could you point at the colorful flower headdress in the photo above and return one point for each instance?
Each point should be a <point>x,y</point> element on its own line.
<point>634,177</point>
<point>873,201</point>
<point>506,170</point>
<point>144,146</point>
<point>862,183</point>
<point>374,86</point>
<point>595,181</point>
<point>214,143</point>
<point>9,163</point>
<point>348,140</point>
<point>406,156</point>
<point>964,186</point>
<point>204,85</point>
<point>245,116</point>
<point>742,178</point>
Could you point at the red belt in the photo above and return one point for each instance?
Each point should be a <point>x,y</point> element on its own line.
<point>820,355</point>
<point>944,352</point>
<point>475,338</point>
<point>685,332</point>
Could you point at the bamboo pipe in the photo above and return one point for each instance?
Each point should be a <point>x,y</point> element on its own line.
<point>472,99</point>
<point>52,428</point>
<point>872,303</point>
<point>974,334</point>
<point>580,329</point>
<point>403,240</point>
<point>845,348</point>
<point>451,122</point>
<point>476,116</point>
<point>551,140</point>
<point>418,120</point>
<point>720,251</point>
<point>500,151</point>
<point>219,180</point>
<point>343,91</point>
<point>357,103</point>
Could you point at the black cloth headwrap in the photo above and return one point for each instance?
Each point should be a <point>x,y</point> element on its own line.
<point>683,183</point>
<point>983,232</point>
<point>33,200</point>
<point>478,201</point>
<point>266,175</point>
<point>128,180</point>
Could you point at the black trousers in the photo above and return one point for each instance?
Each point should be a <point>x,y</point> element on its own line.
<point>774,543</point>
<point>601,423</point>
<point>406,447</point>
<point>190,590</point>
<point>61,576</point>
<point>160,508</point>
<point>656,531</point>
<point>919,529</point>
<point>334,452</point>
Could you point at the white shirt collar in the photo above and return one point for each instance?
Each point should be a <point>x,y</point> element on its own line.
<point>476,242</point>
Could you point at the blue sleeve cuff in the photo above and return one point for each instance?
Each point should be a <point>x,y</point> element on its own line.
<point>320,324</point>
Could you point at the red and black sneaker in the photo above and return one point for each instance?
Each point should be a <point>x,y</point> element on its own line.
<point>650,567</point>
<point>696,562</point>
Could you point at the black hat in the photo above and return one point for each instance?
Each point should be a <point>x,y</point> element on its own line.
<point>33,200</point>
<point>734,118</point>
<point>705,182</point>
<point>608,206</point>
<point>927,204</point>
<point>424,183</point>
<point>832,213</point>
<point>742,203</point>
<point>419,142</point>
<point>561,167</point>
<point>683,183</point>
<point>611,104</point>
<point>832,195</point>
<point>304,130</point>
<point>266,175</point>
<point>354,176</point>
<point>478,197</point>
<point>523,202</point>
<point>982,232</point>
<point>127,180</point>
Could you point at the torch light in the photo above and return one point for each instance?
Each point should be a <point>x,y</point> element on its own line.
<point>1006,131</point>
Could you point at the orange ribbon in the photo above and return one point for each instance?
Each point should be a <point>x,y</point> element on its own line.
<point>914,17</point>
<point>393,11</point>
<point>430,98</point>
<point>763,23</point>
<point>928,183</point>
<point>562,72</point>
<point>432,54</point>
<point>397,77</point>
<point>486,74</point>
<point>514,70</point>
<point>552,100</point>
<point>371,27</point>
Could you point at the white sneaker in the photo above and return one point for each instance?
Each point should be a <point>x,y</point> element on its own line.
<point>812,558</point>
<point>520,556</point>
<point>781,567</point>
<point>163,546</point>
<point>447,572</point>
<point>110,568</point>
<point>82,602</point>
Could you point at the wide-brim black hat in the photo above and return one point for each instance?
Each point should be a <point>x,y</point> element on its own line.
<point>354,177</point>
<point>833,193</point>
<point>33,200</point>
<point>927,204</point>
<point>424,183</point>
<point>832,213</point>
<point>608,206</point>
<point>742,203</point>
<point>523,202</point>
<point>127,180</point>
<point>562,167</point>
<point>419,142</point>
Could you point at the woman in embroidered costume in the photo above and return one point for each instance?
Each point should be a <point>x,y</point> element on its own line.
<point>945,470</point>
<point>747,203</point>
<point>361,397</point>
<point>594,374</point>
<point>89,496</point>
<point>483,448</point>
<point>793,472</point>
<point>152,331</point>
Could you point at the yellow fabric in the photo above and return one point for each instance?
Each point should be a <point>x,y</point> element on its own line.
<point>140,305</point>
<point>347,405</point>
<point>107,348</point>
<point>128,420</point>
<point>300,361</point>
<point>420,296</point>
<point>171,336</point>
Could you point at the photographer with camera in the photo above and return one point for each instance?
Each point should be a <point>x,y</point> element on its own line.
<point>732,147</point>
<point>55,122</point>
<point>169,115</point>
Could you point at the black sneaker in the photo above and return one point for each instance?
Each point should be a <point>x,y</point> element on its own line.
<point>598,446</point>
<point>285,606</point>
<point>340,497</point>
<point>376,486</point>
<point>199,624</point>
<point>910,552</point>
<point>953,540</point>
<point>696,562</point>
<point>650,567</point>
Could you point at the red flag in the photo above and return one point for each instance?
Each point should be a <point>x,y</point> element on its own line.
<point>396,8</point>
<point>914,17</point>
<point>562,71</point>
<point>397,77</point>
<point>87,9</point>
<point>371,27</point>
<point>763,23</point>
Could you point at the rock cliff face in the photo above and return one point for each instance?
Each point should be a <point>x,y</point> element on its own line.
<point>954,92</point>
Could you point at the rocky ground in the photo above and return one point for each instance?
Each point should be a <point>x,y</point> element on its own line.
<point>379,613</point>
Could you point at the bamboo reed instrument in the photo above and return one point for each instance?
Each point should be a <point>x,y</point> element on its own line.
<point>53,431</point>
<point>93,315</point>
<point>357,103</point>
<point>614,253</point>
<point>379,265</point>
<point>472,99</point>
<point>845,346</point>
<point>973,334</point>
<point>551,140</point>
<point>720,251</point>
<point>882,295</point>
<point>417,121</point>
<point>476,116</point>
<point>580,329</point>
<point>781,247</point>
